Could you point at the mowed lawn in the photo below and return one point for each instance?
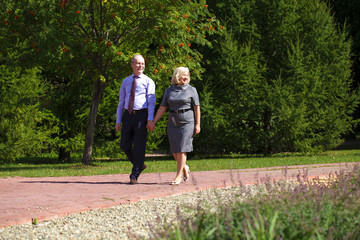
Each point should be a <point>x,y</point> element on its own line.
<point>50,167</point>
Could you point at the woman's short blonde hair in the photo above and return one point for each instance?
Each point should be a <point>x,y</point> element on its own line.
<point>178,73</point>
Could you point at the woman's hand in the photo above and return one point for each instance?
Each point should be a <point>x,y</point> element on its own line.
<point>197,119</point>
<point>197,129</point>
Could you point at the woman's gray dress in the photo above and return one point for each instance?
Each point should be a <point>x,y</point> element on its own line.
<point>181,125</point>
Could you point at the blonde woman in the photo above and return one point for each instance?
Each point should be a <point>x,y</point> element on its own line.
<point>182,100</point>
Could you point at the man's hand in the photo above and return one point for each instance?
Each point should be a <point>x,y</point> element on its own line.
<point>118,127</point>
<point>150,125</point>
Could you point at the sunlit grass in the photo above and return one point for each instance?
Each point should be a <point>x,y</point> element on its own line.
<point>310,209</point>
<point>50,167</point>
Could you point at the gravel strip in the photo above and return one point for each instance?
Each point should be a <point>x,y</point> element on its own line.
<point>128,221</point>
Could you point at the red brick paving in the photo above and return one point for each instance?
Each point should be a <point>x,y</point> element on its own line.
<point>50,197</point>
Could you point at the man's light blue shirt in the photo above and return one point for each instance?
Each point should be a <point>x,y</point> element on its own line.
<point>144,97</point>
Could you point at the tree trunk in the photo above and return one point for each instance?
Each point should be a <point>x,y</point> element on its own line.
<point>89,137</point>
<point>64,155</point>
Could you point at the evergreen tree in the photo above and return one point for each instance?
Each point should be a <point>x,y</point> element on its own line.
<point>25,126</point>
<point>346,13</point>
<point>281,73</point>
<point>69,101</point>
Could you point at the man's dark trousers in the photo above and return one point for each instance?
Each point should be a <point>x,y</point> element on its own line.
<point>133,140</point>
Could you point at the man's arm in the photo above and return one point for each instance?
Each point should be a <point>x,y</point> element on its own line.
<point>120,109</point>
<point>151,99</point>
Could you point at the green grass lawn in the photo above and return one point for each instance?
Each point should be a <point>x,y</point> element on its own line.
<point>50,167</point>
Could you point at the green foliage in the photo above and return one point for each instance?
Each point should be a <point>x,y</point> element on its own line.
<point>69,101</point>
<point>282,77</point>
<point>92,42</point>
<point>85,35</point>
<point>213,123</point>
<point>25,126</point>
<point>345,13</point>
<point>305,210</point>
<point>278,78</point>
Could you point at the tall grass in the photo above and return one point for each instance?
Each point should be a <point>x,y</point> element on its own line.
<point>308,209</point>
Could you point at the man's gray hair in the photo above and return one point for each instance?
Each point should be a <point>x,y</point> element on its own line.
<point>135,56</point>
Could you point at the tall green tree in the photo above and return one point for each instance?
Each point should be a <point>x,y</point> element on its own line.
<point>96,39</point>
<point>347,15</point>
<point>25,126</point>
<point>282,76</point>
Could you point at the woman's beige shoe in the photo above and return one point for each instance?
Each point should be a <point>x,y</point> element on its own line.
<point>186,173</point>
<point>176,182</point>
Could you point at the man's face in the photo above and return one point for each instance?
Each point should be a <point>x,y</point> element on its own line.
<point>138,65</point>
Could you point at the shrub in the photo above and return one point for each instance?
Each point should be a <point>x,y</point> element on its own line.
<point>310,209</point>
<point>25,126</point>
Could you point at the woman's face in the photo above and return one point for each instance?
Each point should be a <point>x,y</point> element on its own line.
<point>184,79</point>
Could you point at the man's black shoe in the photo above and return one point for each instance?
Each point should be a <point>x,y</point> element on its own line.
<point>133,181</point>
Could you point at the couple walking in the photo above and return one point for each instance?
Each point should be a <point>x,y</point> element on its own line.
<point>135,114</point>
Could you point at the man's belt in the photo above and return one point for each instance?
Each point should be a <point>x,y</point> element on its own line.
<point>138,111</point>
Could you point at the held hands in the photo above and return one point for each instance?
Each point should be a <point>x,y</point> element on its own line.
<point>150,125</point>
<point>118,127</point>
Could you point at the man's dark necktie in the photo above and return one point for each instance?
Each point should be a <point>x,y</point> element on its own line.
<point>132,96</point>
